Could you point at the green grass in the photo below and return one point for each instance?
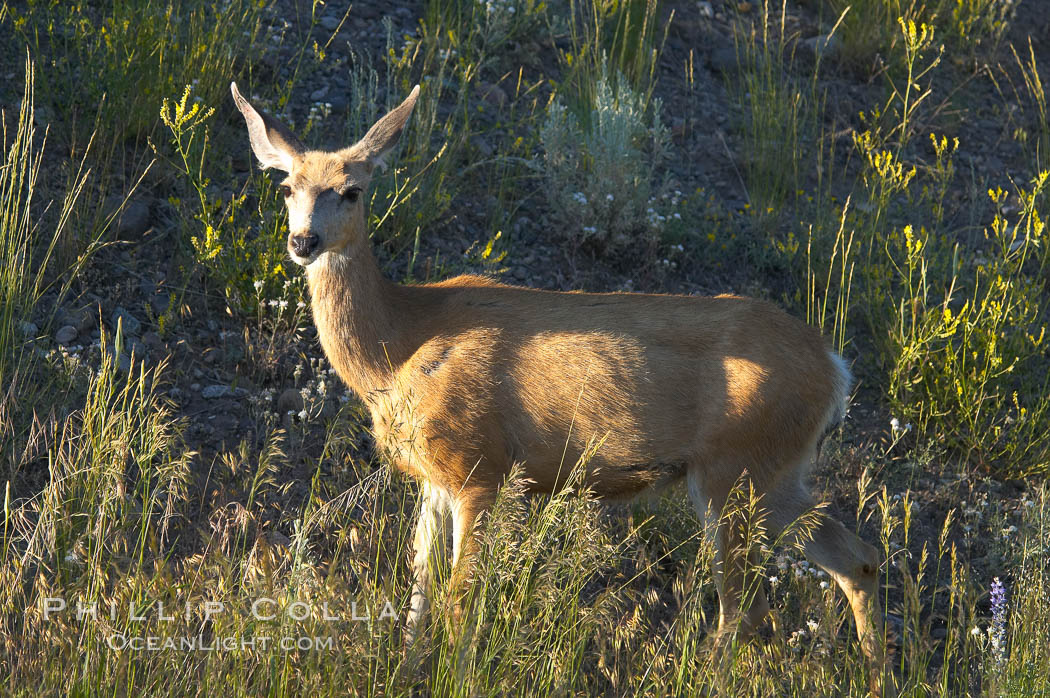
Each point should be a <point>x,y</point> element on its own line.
<point>106,501</point>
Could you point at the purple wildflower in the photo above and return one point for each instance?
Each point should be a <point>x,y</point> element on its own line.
<point>997,630</point>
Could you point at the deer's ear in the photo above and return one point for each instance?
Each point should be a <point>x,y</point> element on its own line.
<point>273,144</point>
<point>384,134</point>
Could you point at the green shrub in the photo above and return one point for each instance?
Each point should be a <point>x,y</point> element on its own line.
<point>967,341</point>
<point>600,182</point>
<point>870,38</point>
<point>239,248</point>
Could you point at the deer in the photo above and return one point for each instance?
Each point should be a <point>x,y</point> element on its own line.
<point>467,378</point>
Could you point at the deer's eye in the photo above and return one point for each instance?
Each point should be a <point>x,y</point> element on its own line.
<point>352,194</point>
<point>286,191</point>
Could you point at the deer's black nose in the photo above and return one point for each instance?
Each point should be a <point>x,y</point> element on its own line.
<point>303,245</point>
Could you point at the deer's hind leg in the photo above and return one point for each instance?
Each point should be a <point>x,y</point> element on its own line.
<point>467,509</point>
<point>741,599</point>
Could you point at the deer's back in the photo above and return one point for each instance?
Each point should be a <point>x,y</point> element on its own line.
<point>643,384</point>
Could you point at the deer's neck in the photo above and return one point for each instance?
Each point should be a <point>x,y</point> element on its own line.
<point>354,309</point>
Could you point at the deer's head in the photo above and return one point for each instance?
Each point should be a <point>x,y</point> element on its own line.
<point>324,191</point>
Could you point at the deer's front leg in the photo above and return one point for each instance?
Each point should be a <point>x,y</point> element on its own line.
<point>429,546</point>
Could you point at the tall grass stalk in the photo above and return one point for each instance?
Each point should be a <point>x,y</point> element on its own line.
<point>31,230</point>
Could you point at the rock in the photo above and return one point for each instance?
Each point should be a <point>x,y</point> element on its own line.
<point>28,329</point>
<point>522,224</point>
<point>214,392</point>
<point>138,350</point>
<point>66,335</point>
<point>129,323</point>
<point>154,343</point>
<point>705,9</point>
<point>290,400</point>
<point>319,94</point>
<point>132,216</point>
<point>330,23</point>
<point>744,7</point>
<point>724,60</point>
<point>159,302</point>
<point>278,538</point>
<point>122,361</point>
<point>85,319</point>
<point>823,45</point>
<point>339,101</point>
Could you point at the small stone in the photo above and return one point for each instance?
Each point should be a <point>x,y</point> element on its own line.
<point>214,392</point>
<point>330,23</point>
<point>278,538</point>
<point>822,45</point>
<point>195,387</point>
<point>724,60</point>
<point>319,94</point>
<point>122,361</point>
<point>137,349</point>
<point>85,319</point>
<point>28,329</point>
<point>159,303</point>
<point>290,400</point>
<point>744,7</point>
<point>129,322</point>
<point>66,335</point>
<point>154,343</point>
<point>132,217</point>
<point>705,9</point>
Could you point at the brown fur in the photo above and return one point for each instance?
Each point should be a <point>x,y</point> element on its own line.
<point>467,377</point>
